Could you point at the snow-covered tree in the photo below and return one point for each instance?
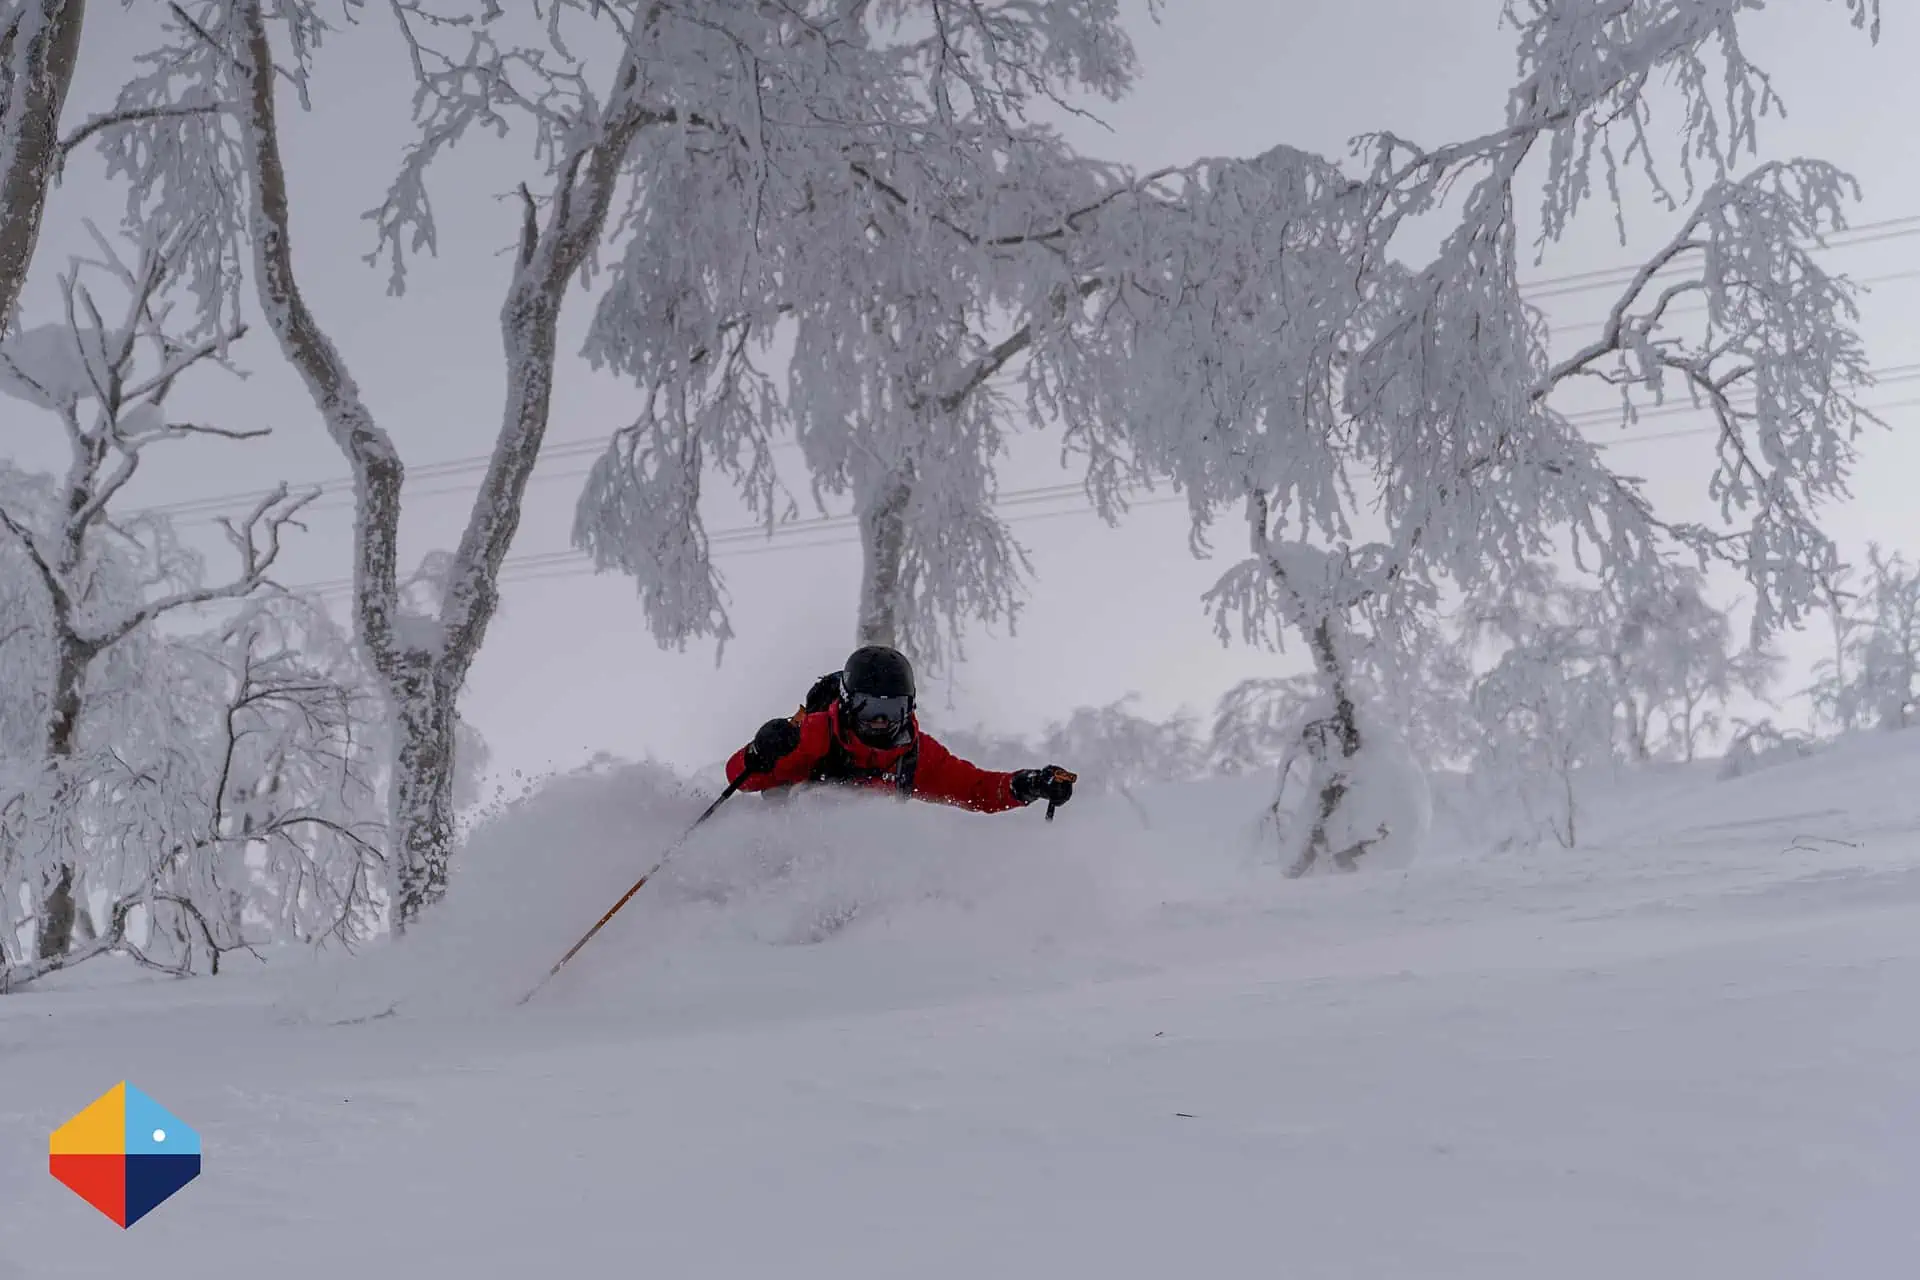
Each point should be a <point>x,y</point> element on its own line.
<point>1549,706</point>
<point>40,47</point>
<point>224,176</point>
<point>1268,351</point>
<point>101,578</point>
<point>1688,653</point>
<point>1831,692</point>
<point>857,177</point>
<point>889,206</point>
<point>1244,328</point>
<point>1114,748</point>
<point>221,796</point>
<point>1583,677</point>
<point>1546,712</point>
<point>1257,721</point>
<point>1759,744</point>
<point>299,745</point>
<point>674,146</point>
<point>986,748</point>
<point>1670,656</point>
<point>1363,639</point>
<point>200,792</point>
<point>1873,678</point>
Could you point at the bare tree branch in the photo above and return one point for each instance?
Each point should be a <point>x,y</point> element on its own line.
<point>257,539</point>
<point>31,546</point>
<point>116,119</point>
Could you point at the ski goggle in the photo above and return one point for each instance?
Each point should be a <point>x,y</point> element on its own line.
<point>874,712</point>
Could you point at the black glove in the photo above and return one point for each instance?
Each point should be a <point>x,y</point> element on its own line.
<point>1052,784</point>
<point>774,741</point>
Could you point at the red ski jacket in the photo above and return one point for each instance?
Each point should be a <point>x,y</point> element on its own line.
<point>826,753</point>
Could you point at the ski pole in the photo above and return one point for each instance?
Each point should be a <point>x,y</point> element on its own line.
<point>637,886</point>
<point>1064,776</point>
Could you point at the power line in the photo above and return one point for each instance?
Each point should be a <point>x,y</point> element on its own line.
<point>1867,233</point>
<point>1546,287</point>
<point>737,541</point>
<point>443,469</point>
<point>1082,509</point>
<point>343,500</point>
<point>722,539</point>
<point>1693,309</point>
<point>554,566</point>
<point>737,535</point>
<point>557,565</point>
<point>535,565</point>
<point>1679,433</point>
<point>1895,375</point>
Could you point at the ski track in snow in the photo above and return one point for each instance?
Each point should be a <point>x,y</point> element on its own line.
<point>1066,1050</point>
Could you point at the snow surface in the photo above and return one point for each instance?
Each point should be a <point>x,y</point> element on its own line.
<point>866,1040</point>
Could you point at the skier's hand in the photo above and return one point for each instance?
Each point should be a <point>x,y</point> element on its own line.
<point>1052,784</point>
<point>775,740</point>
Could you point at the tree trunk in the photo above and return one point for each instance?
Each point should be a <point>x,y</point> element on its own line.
<point>883,535</point>
<point>57,912</point>
<point>424,662</point>
<point>421,790</point>
<point>1637,748</point>
<point>60,908</point>
<point>38,53</point>
<point>1333,745</point>
<point>70,661</point>
<point>1572,837</point>
<point>1843,712</point>
<point>1637,726</point>
<point>1690,704</point>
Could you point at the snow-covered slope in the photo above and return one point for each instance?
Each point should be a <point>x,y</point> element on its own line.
<point>859,1039</point>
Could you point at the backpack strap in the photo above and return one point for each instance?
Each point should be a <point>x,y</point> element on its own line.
<point>909,764</point>
<point>835,765</point>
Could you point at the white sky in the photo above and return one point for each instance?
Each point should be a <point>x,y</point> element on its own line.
<point>569,669</point>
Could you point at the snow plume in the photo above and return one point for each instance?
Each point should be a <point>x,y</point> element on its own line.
<point>768,898</point>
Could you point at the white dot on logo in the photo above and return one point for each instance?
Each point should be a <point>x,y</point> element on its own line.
<point>159,1135</point>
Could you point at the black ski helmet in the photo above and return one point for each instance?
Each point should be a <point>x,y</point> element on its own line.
<point>878,670</point>
<point>877,695</point>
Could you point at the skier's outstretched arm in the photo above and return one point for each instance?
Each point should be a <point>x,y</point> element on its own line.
<point>944,777</point>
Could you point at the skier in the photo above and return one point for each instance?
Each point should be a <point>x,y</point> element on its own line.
<point>858,728</point>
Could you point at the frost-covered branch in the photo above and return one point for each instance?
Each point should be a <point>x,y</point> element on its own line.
<point>1776,359</point>
<point>256,540</point>
<point>1265,343</point>
<point>884,203</point>
<point>101,581</point>
<point>1270,343</point>
<point>222,796</point>
<point>86,374</point>
<point>1874,673</point>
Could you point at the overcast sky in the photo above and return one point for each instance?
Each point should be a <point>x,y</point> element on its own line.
<point>569,668</point>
